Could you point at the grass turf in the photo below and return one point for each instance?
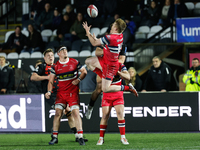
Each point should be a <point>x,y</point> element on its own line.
<point>138,141</point>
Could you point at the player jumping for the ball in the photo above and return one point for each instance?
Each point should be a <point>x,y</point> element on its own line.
<point>109,62</point>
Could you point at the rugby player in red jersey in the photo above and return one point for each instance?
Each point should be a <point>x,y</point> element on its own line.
<point>42,73</point>
<point>66,71</point>
<point>97,91</point>
<point>112,44</point>
<point>116,100</point>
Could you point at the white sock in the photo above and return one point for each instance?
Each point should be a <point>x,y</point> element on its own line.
<point>101,138</point>
<point>80,136</point>
<point>123,136</point>
<point>76,135</point>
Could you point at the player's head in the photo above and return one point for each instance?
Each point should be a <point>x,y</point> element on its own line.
<point>156,62</point>
<point>62,52</point>
<point>132,72</point>
<point>49,56</point>
<point>118,26</point>
<point>2,60</point>
<point>195,62</point>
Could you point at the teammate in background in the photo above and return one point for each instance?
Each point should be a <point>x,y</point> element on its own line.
<point>112,44</point>
<point>97,91</point>
<point>116,100</point>
<point>66,70</point>
<point>42,73</point>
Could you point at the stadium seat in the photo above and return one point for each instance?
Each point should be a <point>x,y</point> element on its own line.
<point>139,35</point>
<point>25,32</point>
<point>96,31</point>
<point>144,29</point>
<point>93,53</point>
<point>76,45</point>
<point>36,55</point>
<point>13,55</point>
<point>3,54</point>
<point>24,55</point>
<point>155,28</point>
<point>85,53</point>
<point>54,32</point>
<point>56,55</point>
<point>73,53</point>
<point>103,30</point>
<point>86,46</point>
<point>197,5</point>
<point>46,34</point>
<point>130,59</point>
<point>8,34</point>
<point>190,7</point>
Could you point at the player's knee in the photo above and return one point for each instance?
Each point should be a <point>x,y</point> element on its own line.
<point>58,114</point>
<point>105,116</point>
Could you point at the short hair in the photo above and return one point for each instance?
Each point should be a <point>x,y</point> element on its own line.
<point>3,57</point>
<point>47,51</point>
<point>156,57</point>
<point>18,27</point>
<point>196,59</point>
<point>121,25</point>
<point>39,61</point>
<point>60,48</point>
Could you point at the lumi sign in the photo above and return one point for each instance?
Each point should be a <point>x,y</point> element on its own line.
<point>188,29</point>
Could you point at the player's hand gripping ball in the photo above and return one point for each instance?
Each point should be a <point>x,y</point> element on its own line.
<point>92,11</point>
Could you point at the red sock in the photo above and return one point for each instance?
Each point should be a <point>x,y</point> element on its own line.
<point>102,130</point>
<point>121,125</point>
<point>98,72</point>
<point>55,134</point>
<point>80,131</point>
<point>126,88</point>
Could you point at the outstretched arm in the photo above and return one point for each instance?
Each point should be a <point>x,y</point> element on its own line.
<point>92,38</point>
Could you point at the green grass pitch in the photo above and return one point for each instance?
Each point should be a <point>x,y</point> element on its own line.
<point>138,141</point>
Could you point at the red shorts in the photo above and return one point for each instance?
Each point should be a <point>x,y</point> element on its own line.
<point>111,100</point>
<point>109,70</point>
<point>67,98</point>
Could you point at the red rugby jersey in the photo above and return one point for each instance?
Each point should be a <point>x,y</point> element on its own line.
<point>66,72</point>
<point>112,46</point>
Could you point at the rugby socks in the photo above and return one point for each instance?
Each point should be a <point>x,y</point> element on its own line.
<point>124,88</point>
<point>98,72</point>
<point>80,133</point>
<point>102,130</point>
<point>55,134</point>
<point>121,125</point>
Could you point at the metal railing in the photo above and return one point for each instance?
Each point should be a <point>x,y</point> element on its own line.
<point>7,7</point>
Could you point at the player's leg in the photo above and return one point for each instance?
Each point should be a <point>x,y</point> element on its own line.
<point>71,122</point>
<point>78,123</point>
<point>107,87</point>
<point>56,123</point>
<point>93,63</point>
<point>94,97</point>
<point>103,124</point>
<point>121,122</point>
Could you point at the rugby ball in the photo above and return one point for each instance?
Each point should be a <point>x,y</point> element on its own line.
<point>92,11</point>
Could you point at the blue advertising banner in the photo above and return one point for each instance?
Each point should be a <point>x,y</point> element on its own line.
<point>22,113</point>
<point>188,29</point>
